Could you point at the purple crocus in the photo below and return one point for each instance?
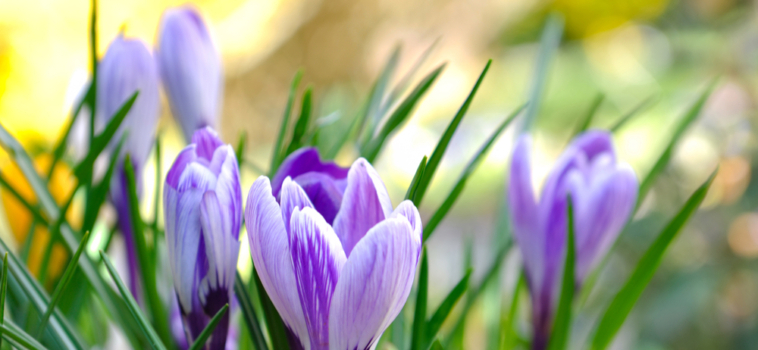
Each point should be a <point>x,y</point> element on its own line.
<point>603,191</point>
<point>129,67</point>
<point>337,284</point>
<point>202,204</point>
<point>190,67</point>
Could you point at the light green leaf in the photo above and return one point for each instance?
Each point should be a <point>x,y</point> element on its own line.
<point>419,315</point>
<point>434,324</point>
<point>549,42</point>
<point>562,322</point>
<point>275,158</point>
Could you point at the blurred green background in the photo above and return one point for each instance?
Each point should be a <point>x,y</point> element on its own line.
<point>704,296</point>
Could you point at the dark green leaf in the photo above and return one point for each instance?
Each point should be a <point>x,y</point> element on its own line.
<point>285,124</point>
<point>98,194</point>
<point>419,315</point>
<point>203,337</point>
<point>276,331</point>
<point>147,270</point>
<point>92,97</point>
<point>508,334</point>
<point>134,309</point>
<point>587,120</point>
<point>628,116</point>
<point>437,345</point>
<point>562,322</point>
<point>624,301</point>
<point>14,333</point>
<point>248,313</point>
<point>60,146</point>
<point>33,210</point>
<point>443,311</point>
<point>3,290</point>
<point>439,151</point>
<point>401,113</point>
<point>65,279</point>
<point>472,165</point>
<point>549,42</point>
<point>410,194</point>
<point>83,170</point>
<point>301,126</point>
<point>240,151</point>
<point>690,115</point>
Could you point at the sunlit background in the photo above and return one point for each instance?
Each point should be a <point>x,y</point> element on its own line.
<point>705,296</point>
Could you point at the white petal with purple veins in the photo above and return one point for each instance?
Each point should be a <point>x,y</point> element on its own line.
<point>221,248</point>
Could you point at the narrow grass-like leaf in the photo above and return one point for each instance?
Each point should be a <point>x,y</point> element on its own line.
<point>240,150</point>
<point>301,126</point>
<point>16,334</point>
<point>585,122</point>
<point>624,301</point>
<point>83,170</point>
<point>33,210</point>
<point>134,309</point>
<point>274,324</point>
<point>443,311</point>
<point>3,291</point>
<point>419,314</point>
<point>507,333</point>
<point>370,115</point>
<point>475,292</point>
<point>208,330</point>
<point>99,193</point>
<point>689,116</point>
<point>158,182</point>
<point>439,150</point>
<point>92,97</point>
<point>55,233</point>
<point>629,115</point>
<point>410,194</point>
<point>472,165</point>
<point>401,113</point>
<point>62,332</point>
<point>285,124</point>
<point>405,81</point>
<point>60,146</point>
<point>562,321</point>
<point>249,315</point>
<point>549,42</point>
<point>65,279</point>
<point>437,345</point>
<point>147,270</point>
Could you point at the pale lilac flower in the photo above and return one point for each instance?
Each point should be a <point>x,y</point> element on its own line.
<point>603,191</point>
<point>336,284</point>
<point>127,68</point>
<point>191,69</point>
<point>202,204</point>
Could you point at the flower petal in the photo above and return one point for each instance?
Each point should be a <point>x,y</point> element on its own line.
<point>365,204</point>
<point>408,210</point>
<point>228,189</point>
<point>221,250</point>
<point>185,157</point>
<point>374,285</point>
<point>292,197</point>
<point>207,142</point>
<point>603,207</point>
<point>302,161</point>
<point>270,249</point>
<point>324,192</point>
<point>318,259</point>
<point>595,142</point>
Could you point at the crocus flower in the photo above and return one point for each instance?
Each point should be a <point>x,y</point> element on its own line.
<point>337,284</point>
<point>603,191</point>
<point>202,204</point>
<point>129,67</point>
<point>191,69</point>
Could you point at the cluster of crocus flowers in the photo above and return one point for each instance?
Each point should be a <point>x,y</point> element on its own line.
<point>190,68</point>
<point>603,192</point>
<point>334,257</point>
<point>126,68</point>
<point>202,202</point>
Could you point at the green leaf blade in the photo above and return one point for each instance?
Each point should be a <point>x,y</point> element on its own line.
<point>562,322</point>
<point>275,157</point>
<point>410,194</point>
<point>249,315</point>
<point>208,330</point>
<point>419,314</point>
<point>434,324</point>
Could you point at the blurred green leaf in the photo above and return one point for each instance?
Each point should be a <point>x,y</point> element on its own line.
<point>3,291</point>
<point>275,157</point>
<point>549,42</point>
<point>33,210</point>
<point>371,114</point>
<point>472,165</point>
<point>585,122</point>
<point>62,283</point>
<point>437,345</point>
<point>562,321</point>
<point>60,146</point>
<point>208,330</point>
<point>508,334</point>
<point>14,333</point>
<point>404,82</point>
<point>84,169</point>
<point>240,151</point>
<point>158,184</point>
<point>439,150</point>
<point>419,315</point>
<point>401,113</point>
<point>443,311</point>
<point>410,194</point>
<point>624,301</point>
<point>249,315</point>
<point>689,116</point>
<point>147,270</point>
<point>301,126</point>
<point>274,324</point>
<point>98,194</point>
<point>92,96</point>
<point>134,309</point>
<point>629,115</point>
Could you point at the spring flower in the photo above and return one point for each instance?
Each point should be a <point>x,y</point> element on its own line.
<point>190,68</point>
<point>603,191</point>
<point>338,283</point>
<point>126,68</point>
<point>202,204</point>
